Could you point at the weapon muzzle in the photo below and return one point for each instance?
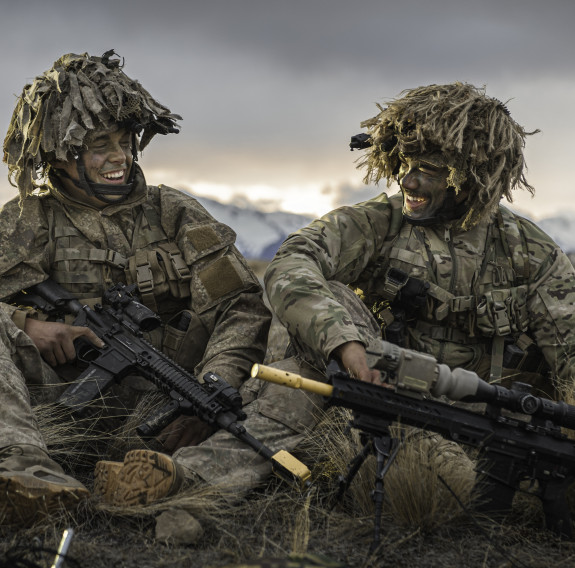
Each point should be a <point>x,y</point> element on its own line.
<point>290,380</point>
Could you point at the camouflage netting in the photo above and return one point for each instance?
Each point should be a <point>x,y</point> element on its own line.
<point>475,135</point>
<point>55,114</point>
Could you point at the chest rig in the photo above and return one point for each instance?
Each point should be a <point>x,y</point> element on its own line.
<point>149,259</point>
<point>461,298</point>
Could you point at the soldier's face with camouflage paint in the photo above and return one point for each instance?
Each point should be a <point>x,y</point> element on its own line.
<point>107,160</point>
<point>423,182</point>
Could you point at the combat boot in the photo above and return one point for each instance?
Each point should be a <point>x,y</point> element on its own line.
<point>33,486</point>
<point>143,478</point>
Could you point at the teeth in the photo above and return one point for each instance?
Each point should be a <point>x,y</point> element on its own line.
<point>417,199</point>
<point>113,175</point>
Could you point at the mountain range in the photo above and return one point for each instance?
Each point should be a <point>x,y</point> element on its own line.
<point>259,233</point>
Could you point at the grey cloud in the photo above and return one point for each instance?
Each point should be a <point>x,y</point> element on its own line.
<point>347,194</point>
<point>272,90</point>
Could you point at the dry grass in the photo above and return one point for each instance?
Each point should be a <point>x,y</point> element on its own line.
<point>423,526</point>
<point>282,523</point>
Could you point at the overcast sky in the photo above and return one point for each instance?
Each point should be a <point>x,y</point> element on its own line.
<point>271,90</point>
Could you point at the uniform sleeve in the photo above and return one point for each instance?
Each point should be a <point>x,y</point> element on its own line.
<point>225,294</point>
<point>551,305</point>
<point>24,246</point>
<point>339,247</point>
<point>238,329</point>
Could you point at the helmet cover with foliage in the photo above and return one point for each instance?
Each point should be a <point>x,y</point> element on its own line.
<point>56,113</point>
<point>473,134</point>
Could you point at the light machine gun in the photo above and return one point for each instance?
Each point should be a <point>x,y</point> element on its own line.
<point>511,450</point>
<point>120,323</point>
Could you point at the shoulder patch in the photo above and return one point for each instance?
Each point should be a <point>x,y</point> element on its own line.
<point>203,237</point>
<point>221,277</point>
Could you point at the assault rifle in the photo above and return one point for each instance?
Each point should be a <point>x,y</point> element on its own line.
<point>121,322</point>
<point>512,448</point>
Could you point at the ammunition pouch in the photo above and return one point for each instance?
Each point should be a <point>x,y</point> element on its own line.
<point>159,271</point>
<point>502,312</point>
<point>524,356</point>
<point>404,297</point>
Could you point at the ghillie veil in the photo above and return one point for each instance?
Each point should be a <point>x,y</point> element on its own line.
<point>475,135</point>
<point>55,114</point>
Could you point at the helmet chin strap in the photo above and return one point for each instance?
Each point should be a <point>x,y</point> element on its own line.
<point>103,191</point>
<point>449,210</point>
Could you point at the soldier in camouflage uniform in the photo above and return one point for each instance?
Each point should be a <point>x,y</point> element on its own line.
<point>86,218</point>
<point>441,267</point>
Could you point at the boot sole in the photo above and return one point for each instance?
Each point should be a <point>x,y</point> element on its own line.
<point>143,478</point>
<point>27,499</point>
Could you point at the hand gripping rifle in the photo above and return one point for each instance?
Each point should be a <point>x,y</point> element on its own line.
<point>120,322</point>
<point>511,449</point>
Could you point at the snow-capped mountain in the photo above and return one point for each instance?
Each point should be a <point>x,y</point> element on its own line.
<point>260,234</point>
<point>561,229</point>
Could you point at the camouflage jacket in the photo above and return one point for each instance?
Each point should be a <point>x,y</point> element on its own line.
<point>184,261</point>
<point>503,278</point>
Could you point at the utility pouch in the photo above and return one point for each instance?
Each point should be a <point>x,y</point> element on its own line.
<point>526,359</point>
<point>512,356</point>
<point>177,271</point>
<point>393,282</point>
<point>501,312</point>
<point>395,332</point>
<point>185,339</point>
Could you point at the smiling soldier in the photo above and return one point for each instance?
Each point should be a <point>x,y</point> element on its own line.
<point>87,219</point>
<point>441,267</point>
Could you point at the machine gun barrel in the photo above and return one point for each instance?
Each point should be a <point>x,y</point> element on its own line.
<point>510,450</point>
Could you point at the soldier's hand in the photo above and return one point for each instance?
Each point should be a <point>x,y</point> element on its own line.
<point>55,340</point>
<point>184,431</point>
<point>353,360</point>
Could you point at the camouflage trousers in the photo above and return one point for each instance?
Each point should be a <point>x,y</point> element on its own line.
<point>24,379</point>
<point>279,417</point>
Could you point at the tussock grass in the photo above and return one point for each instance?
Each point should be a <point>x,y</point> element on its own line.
<point>278,522</point>
<point>422,524</point>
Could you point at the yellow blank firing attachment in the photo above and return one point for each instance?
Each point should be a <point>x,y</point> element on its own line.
<point>297,470</point>
<point>290,380</point>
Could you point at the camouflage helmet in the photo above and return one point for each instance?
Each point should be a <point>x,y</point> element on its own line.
<point>55,114</point>
<point>473,134</point>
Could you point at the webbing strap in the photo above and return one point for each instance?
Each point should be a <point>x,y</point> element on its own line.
<point>145,279</point>
<point>96,256</point>
<point>497,348</point>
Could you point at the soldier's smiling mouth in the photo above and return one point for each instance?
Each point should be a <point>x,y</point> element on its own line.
<point>113,177</point>
<point>414,202</point>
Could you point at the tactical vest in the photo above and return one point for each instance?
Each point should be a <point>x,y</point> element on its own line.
<point>156,265</point>
<point>476,311</point>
